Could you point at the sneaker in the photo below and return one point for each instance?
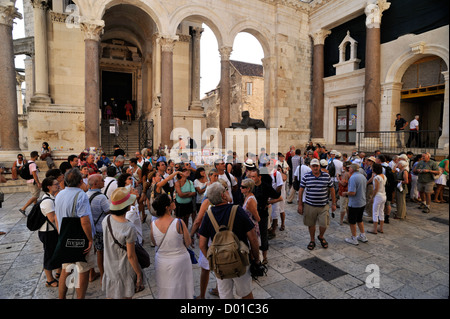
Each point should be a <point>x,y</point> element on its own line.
<point>362,238</point>
<point>352,240</point>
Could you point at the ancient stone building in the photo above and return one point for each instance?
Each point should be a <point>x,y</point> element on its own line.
<point>331,68</point>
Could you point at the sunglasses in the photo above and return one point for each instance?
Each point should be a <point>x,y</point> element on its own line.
<point>244,187</point>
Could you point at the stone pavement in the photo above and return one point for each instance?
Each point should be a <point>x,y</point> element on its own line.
<point>412,257</point>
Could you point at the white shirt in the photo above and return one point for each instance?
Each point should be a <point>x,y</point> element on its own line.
<point>111,188</point>
<point>414,124</point>
<point>47,206</point>
<point>279,179</point>
<point>339,168</point>
<point>233,182</point>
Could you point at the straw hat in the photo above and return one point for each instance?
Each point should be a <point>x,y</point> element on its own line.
<point>249,163</point>
<point>373,159</point>
<point>121,198</point>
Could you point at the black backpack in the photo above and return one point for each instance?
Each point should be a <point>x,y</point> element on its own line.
<point>25,171</point>
<point>35,218</point>
<point>391,181</point>
<point>331,169</point>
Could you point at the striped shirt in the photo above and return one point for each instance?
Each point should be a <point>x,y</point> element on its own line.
<point>316,188</point>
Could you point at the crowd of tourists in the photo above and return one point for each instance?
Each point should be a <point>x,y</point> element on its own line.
<point>183,201</point>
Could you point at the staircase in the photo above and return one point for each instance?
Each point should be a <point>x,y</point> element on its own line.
<point>20,185</point>
<point>128,138</point>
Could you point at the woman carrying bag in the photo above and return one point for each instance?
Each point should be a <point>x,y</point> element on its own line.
<point>123,275</point>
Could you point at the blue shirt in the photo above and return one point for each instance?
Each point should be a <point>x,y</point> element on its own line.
<point>99,208</point>
<point>316,188</point>
<point>64,202</point>
<point>357,183</point>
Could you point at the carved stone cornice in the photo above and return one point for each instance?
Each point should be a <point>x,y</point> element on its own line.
<point>8,12</point>
<point>184,37</point>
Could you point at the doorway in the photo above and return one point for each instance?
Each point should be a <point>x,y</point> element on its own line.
<point>117,89</point>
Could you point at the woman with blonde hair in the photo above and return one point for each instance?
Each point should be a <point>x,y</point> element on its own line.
<point>402,189</point>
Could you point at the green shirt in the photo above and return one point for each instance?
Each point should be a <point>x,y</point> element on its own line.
<point>427,177</point>
<point>188,187</point>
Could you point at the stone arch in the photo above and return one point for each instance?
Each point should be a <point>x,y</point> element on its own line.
<point>96,9</point>
<point>404,61</point>
<point>207,16</point>
<point>262,34</point>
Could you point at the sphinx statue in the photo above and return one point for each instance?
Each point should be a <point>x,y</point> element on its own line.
<point>248,122</point>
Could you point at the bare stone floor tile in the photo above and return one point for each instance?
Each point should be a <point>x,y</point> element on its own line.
<point>412,257</point>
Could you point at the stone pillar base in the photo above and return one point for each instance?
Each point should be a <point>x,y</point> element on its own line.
<point>196,105</point>
<point>41,99</point>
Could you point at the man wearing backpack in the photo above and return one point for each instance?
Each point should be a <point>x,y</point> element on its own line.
<point>30,173</point>
<point>244,230</point>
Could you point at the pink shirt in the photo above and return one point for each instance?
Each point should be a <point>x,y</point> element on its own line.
<point>33,168</point>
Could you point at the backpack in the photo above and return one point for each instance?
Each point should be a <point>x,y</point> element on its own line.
<point>331,169</point>
<point>227,255</point>
<point>391,181</point>
<point>25,171</point>
<point>35,218</point>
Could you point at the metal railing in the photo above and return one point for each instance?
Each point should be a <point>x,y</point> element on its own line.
<point>394,142</point>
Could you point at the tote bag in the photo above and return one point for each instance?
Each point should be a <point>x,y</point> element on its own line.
<point>72,240</point>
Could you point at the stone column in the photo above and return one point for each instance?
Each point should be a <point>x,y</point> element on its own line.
<point>167,46</point>
<point>318,86</point>
<point>224,92</point>
<point>372,94</point>
<point>9,128</point>
<point>92,31</point>
<point>195,84</point>
<point>41,91</point>
<point>444,139</point>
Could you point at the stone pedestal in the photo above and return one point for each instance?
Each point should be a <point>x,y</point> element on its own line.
<point>9,130</point>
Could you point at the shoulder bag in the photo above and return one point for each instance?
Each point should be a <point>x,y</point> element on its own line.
<point>142,255</point>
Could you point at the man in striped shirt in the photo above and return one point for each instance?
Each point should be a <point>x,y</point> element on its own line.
<point>316,185</point>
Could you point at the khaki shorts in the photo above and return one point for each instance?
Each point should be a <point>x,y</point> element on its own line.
<point>313,215</point>
<point>34,190</point>
<point>91,261</point>
<point>426,187</point>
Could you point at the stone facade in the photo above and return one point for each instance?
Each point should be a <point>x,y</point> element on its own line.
<point>297,99</point>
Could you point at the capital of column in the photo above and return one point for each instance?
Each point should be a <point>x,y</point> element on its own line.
<point>225,53</point>
<point>320,35</point>
<point>374,12</point>
<point>92,29</point>
<point>168,43</point>
<point>40,4</point>
<point>197,32</point>
<point>8,12</point>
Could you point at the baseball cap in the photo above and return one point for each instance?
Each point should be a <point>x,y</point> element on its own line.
<point>314,161</point>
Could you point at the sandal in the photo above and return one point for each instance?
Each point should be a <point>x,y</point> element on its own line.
<point>57,275</point>
<point>282,227</point>
<point>311,245</point>
<point>323,242</point>
<point>50,283</point>
<point>372,232</point>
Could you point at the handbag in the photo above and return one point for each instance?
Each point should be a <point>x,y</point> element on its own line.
<point>72,241</point>
<point>190,251</point>
<point>141,254</point>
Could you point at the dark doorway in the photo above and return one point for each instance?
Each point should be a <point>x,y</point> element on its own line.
<point>117,88</point>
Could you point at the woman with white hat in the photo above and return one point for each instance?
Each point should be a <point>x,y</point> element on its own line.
<point>123,275</point>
